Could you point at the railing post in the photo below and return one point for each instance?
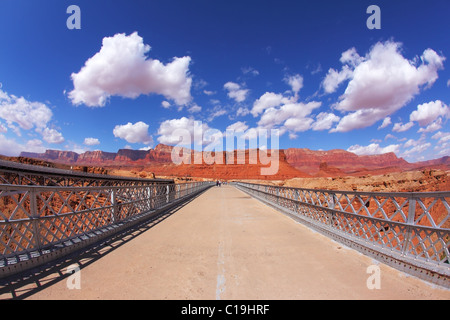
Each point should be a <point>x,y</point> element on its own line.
<point>35,219</point>
<point>410,223</point>
<point>114,213</point>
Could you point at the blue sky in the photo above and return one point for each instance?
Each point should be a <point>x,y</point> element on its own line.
<point>137,70</point>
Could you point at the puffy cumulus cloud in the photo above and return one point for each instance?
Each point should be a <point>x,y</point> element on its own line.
<point>52,136</point>
<point>334,78</point>
<point>172,132</point>
<point>416,150</point>
<point>26,114</point>
<point>358,120</point>
<point>432,127</point>
<point>133,133</point>
<point>324,121</point>
<point>295,81</point>
<point>373,149</point>
<point>386,122</point>
<point>286,113</point>
<point>235,91</point>
<point>442,137</point>
<point>166,104</point>
<point>238,126</point>
<point>91,141</point>
<point>11,148</point>
<point>400,127</point>
<point>380,83</point>
<point>121,68</point>
<point>266,101</point>
<point>427,113</point>
<point>19,113</point>
<point>3,129</point>
<point>194,109</point>
<point>293,116</point>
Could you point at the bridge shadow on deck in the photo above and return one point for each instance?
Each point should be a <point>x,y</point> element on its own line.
<point>23,285</point>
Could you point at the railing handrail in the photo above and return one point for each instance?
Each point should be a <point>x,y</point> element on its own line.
<point>406,244</point>
<point>36,225</point>
<point>406,194</point>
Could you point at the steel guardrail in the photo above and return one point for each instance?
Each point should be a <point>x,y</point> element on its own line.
<point>40,223</point>
<point>25,174</point>
<point>406,230</point>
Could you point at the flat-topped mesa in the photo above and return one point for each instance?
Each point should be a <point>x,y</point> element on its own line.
<point>97,157</point>
<point>127,155</point>
<point>309,160</point>
<point>160,154</point>
<point>292,162</point>
<point>53,155</point>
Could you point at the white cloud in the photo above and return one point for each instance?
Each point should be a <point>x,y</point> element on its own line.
<point>133,133</point>
<point>400,127</point>
<point>250,70</point>
<point>373,149</point>
<point>208,92</point>
<point>242,111</point>
<point>324,121</point>
<point>383,82</point>
<point>121,68</point>
<point>235,91</point>
<point>442,137</point>
<point>216,112</point>
<point>52,136</point>
<point>351,57</point>
<point>334,78</point>
<point>20,113</point>
<point>3,129</point>
<point>11,148</point>
<point>390,136</point>
<point>266,101</point>
<point>387,121</point>
<point>293,116</point>
<point>34,145</point>
<point>295,81</point>
<point>238,126</point>
<point>434,126</point>
<point>194,109</point>
<point>166,104</point>
<point>26,114</point>
<point>169,130</point>
<point>91,141</point>
<point>417,149</point>
<point>426,113</point>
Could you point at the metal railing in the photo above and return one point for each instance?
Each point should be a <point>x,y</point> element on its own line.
<point>39,223</point>
<point>410,231</point>
<point>24,174</point>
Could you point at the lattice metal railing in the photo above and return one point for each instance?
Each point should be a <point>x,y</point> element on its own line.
<point>412,226</point>
<point>36,219</point>
<point>24,174</point>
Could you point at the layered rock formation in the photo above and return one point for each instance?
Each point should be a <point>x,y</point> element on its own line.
<point>293,163</point>
<point>347,162</point>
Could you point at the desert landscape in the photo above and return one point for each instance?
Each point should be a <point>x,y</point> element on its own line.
<point>302,168</point>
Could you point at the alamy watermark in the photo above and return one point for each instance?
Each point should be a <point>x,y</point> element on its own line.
<point>74,20</point>
<point>229,148</point>
<point>374,21</point>
<point>374,280</point>
<point>74,280</point>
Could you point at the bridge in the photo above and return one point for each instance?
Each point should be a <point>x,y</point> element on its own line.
<point>73,235</point>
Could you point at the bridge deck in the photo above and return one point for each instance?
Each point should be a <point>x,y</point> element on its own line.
<point>226,245</point>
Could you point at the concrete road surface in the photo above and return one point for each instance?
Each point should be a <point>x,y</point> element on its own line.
<point>227,245</point>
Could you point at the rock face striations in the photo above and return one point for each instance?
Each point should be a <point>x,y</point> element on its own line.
<point>292,163</point>
<point>347,162</point>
